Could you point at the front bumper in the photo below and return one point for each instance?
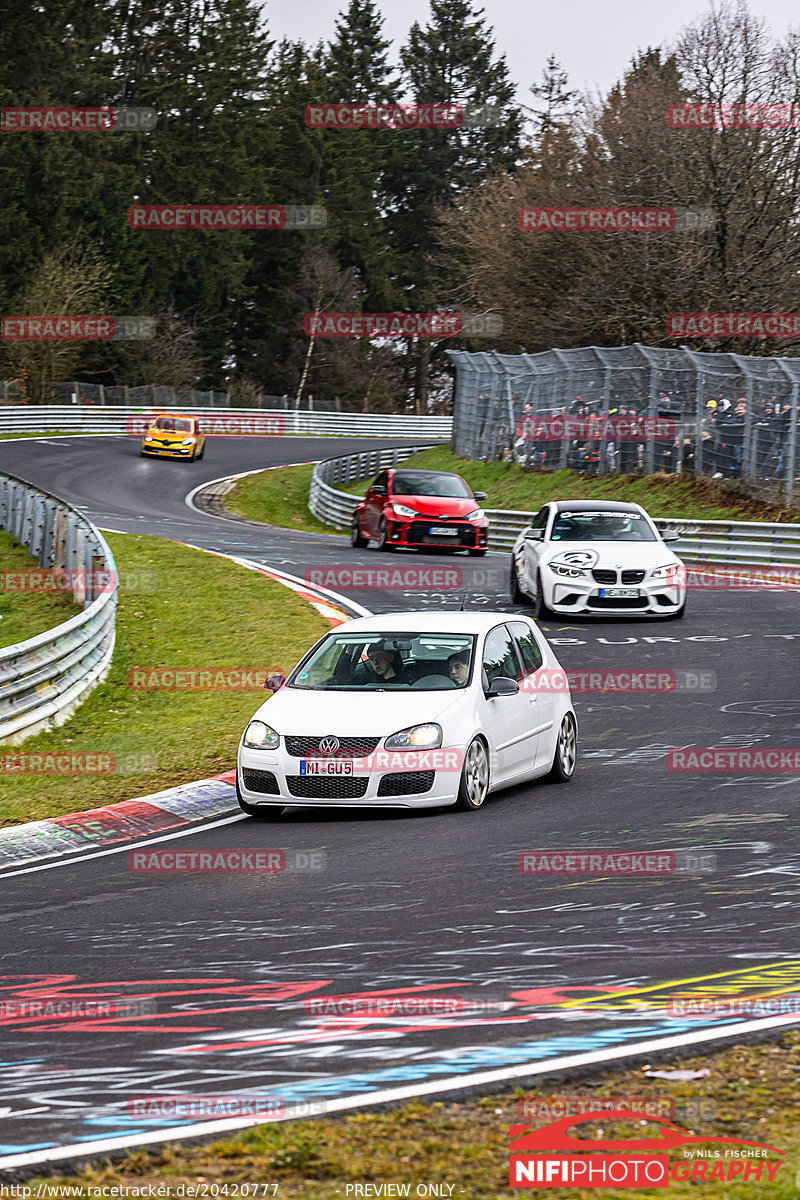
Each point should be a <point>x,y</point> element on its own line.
<point>469,535</point>
<point>167,451</point>
<point>268,777</point>
<point>582,596</point>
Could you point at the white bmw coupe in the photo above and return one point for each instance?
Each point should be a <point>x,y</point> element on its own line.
<point>589,556</point>
<point>410,710</point>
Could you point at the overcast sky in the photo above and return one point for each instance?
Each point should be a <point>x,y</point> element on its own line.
<point>594,41</point>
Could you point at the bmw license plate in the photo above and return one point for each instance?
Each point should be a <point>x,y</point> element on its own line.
<point>443,531</point>
<point>620,593</point>
<point>326,766</point>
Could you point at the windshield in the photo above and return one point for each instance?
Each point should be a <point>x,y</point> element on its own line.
<point>428,483</point>
<point>173,425</point>
<point>376,662</point>
<point>601,527</point>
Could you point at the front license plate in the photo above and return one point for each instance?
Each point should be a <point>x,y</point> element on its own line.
<point>326,766</point>
<point>620,593</point>
<point>443,531</point>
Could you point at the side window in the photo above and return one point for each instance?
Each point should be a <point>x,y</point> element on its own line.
<point>527,645</point>
<point>499,655</point>
<point>382,480</point>
<point>540,520</point>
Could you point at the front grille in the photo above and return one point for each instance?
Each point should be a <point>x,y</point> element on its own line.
<point>617,602</point>
<point>327,787</point>
<point>349,747</point>
<point>604,577</point>
<point>632,576</point>
<point>418,532</point>
<point>406,783</point>
<point>260,781</point>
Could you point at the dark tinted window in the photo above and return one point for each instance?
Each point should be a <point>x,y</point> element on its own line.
<point>499,656</point>
<point>528,646</point>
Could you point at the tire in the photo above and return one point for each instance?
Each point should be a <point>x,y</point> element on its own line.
<point>357,539</point>
<point>566,754</point>
<point>271,812</point>
<point>473,786</point>
<point>383,545</point>
<point>517,594</point>
<point>477,553</point>
<point>540,610</point>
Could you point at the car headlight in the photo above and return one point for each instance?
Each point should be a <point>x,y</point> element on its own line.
<point>149,439</point>
<point>187,441</point>
<point>259,736</point>
<point>478,515</point>
<point>571,571</point>
<point>670,572</point>
<point>402,510</point>
<point>573,563</point>
<point>416,737</point>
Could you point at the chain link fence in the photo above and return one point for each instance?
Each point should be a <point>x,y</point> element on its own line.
<point>633,410</point>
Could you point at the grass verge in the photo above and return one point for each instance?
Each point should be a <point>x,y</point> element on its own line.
<point>277,497</point>
<point>193,611</point>
<point>24,614</point>
<point>751,1093</point>
<point>280,497</point>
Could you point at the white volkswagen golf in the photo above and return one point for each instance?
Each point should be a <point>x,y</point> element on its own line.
<point>590,556</point>
<point>410,710</point>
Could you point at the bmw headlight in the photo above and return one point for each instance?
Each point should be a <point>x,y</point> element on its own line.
<point>477,515</point>
<point>416,737</point>
<point>402,510</point>
<point>570,572</point>
<point>573,564</point>
<point>259,736</point>
<point>671,573</point>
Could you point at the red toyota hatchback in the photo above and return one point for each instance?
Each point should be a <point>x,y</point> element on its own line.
<point>421,508</point>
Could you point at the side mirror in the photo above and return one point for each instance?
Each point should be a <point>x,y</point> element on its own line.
<point>378,490</point>
<point>669,535</point>
<point>273,683</point>
<point>481,495</point>
<point>501,685</point>
<point>534,535</point>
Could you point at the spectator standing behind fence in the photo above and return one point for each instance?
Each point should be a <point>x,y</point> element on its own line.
<point>627,449</point>
<point>733,432</point>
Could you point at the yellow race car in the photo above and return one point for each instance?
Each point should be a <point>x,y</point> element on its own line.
<point>174,437</point>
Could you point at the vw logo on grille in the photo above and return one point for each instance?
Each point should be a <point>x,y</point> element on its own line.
<point>329,744</point>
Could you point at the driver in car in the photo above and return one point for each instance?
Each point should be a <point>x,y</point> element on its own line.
<point>458,667</point>
<point>386,663</point>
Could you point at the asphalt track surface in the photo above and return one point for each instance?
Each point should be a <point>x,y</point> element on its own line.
<point>433,902</point>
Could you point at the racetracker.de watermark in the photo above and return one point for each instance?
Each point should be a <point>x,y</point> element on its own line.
<point>374,115</point>
<point>197,679</point>
<point>605,428</point>
<point>58,764</point>
<point>223,1105</point>
<point>568,219</point>
<point>44,1007</point>
<point>724,325</point>
<point>402,1006</point>
<point>764,759</point>
<point>732,1006</point>
<point>247,217</point>
<point>222,425</point>
<point>400,325</point>
<point>781,115</point>
<point>225,862</point>
<point>60,328</point>
<point>614,862</point>
<point>389,579</point>
<point>52,119</point>
<point>57,580</point>
<point>625,681</point>
<point>541,1110</point>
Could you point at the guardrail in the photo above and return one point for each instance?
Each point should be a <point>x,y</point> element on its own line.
<point>43,679</point>
<point>129,419</point>
<point>760,544</point>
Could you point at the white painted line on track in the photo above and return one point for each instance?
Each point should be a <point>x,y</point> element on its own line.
<point>407,1092</point>
<point>124,846</point>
